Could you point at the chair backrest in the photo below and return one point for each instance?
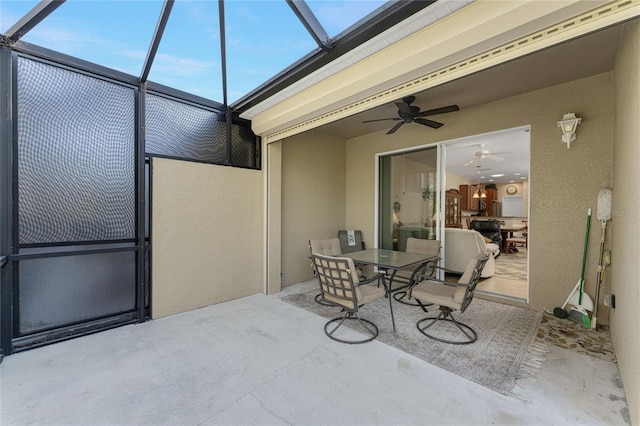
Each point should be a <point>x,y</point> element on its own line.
<point>490,228</point>
<point>464,293</point>
<point>336,276</point>
<point>328,247</point>
<point>350,241</point>
<point>422,246</point>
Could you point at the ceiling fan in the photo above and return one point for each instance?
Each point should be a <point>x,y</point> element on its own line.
<point>483,153</point>
<point>408,113</point>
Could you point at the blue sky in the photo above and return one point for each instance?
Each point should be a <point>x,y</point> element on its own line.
<point>263,37</point>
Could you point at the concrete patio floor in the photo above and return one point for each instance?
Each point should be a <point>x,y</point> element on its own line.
<point>258,360</point>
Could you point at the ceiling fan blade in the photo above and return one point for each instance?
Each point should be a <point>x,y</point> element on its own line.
<point>396,127</point>
<point>468,163</point>
<point>403,108</point>
<point>382,119</point>
<point>450,108</point>
<point>427,122</point>
<point>493,157</point>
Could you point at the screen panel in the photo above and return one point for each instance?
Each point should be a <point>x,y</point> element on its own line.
<point>76,156</point>
<point>244,151</point>
<point>180,130</point>
<point>58,291</point>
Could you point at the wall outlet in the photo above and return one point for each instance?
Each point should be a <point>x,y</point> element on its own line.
<point>610,300</point>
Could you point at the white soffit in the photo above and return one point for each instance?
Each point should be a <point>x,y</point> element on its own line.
<point>414,23</point>
<point>304,111</point>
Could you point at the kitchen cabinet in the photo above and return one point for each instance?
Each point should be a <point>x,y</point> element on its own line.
<point>484,206</point>
<point>468,202</point>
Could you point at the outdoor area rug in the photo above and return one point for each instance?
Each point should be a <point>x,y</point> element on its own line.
<point>505,351</point>
<point>568,334</point>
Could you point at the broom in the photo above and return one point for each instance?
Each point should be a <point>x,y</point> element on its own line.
<point>577,312</point>
<point>604,214</point>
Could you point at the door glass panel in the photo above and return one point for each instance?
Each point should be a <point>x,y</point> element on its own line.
<point>408,198</point>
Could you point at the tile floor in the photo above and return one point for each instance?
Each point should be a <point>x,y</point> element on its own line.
<point>258,360</point>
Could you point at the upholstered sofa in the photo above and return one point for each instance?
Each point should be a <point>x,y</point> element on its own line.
<point>462,245</point>
<point>489,228</point>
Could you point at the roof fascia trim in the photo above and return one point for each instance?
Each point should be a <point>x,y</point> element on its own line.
<point>581,24</point>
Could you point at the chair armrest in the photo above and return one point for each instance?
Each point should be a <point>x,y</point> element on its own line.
<point>435,280</point>
<point>429,278</point>
<point>445,269</point>
<point>374,278</point>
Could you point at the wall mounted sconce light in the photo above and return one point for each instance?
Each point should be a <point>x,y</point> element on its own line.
<point>569,124</point>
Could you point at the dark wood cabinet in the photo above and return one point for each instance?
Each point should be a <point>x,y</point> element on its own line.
<point>468,202</point>
<point>483,206</point>
<point>453,209</point>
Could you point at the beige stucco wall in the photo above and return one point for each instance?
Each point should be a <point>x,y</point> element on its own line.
<point>207,235</point>
<point>625,245</point>
<point>313,198</point>
<point>563,183</point>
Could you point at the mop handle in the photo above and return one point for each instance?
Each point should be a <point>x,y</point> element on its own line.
<point>584,256</point>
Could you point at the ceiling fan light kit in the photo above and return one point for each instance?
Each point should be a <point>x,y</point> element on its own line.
<point>479,191</point>
<point>408,113</point>
<point>482,154</point>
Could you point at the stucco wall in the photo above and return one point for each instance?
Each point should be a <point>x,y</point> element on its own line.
<point>313,198</point>
<point>563,183</point>
<point>206,234</point>
<point>625,268</point>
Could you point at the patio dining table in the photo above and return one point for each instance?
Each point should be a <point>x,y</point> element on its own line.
<point>393,261</point>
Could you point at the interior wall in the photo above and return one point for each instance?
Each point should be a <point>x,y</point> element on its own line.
<point>454,181</point>
<point>313,198</point>
<point>625,246</point>
<point>207,229</point>
<point>563,183</point>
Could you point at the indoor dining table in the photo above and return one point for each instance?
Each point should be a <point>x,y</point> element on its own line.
<point>390,261</point>
<point>507,231</point>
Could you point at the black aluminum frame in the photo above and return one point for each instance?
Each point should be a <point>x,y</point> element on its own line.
<point>11,45</point>
<point>6,194</point>
<point>11,340</point>
<point>329,49</point>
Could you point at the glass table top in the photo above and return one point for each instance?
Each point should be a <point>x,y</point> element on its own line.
<point>388,258</point>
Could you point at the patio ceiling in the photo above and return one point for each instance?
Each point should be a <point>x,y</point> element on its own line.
<point>579,58</point>
<point>583,57</point>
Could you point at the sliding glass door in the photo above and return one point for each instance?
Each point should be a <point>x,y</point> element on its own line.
<point>409,197</point>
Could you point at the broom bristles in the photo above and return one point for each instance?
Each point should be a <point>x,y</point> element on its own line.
<point>604,204</point>
<point>580,316</point>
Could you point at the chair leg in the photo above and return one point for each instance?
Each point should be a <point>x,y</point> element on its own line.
<point>370,328</point>
<point>445,315</point>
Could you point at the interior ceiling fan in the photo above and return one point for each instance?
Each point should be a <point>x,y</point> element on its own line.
<point>408,113</point>
<point>483,153</point>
